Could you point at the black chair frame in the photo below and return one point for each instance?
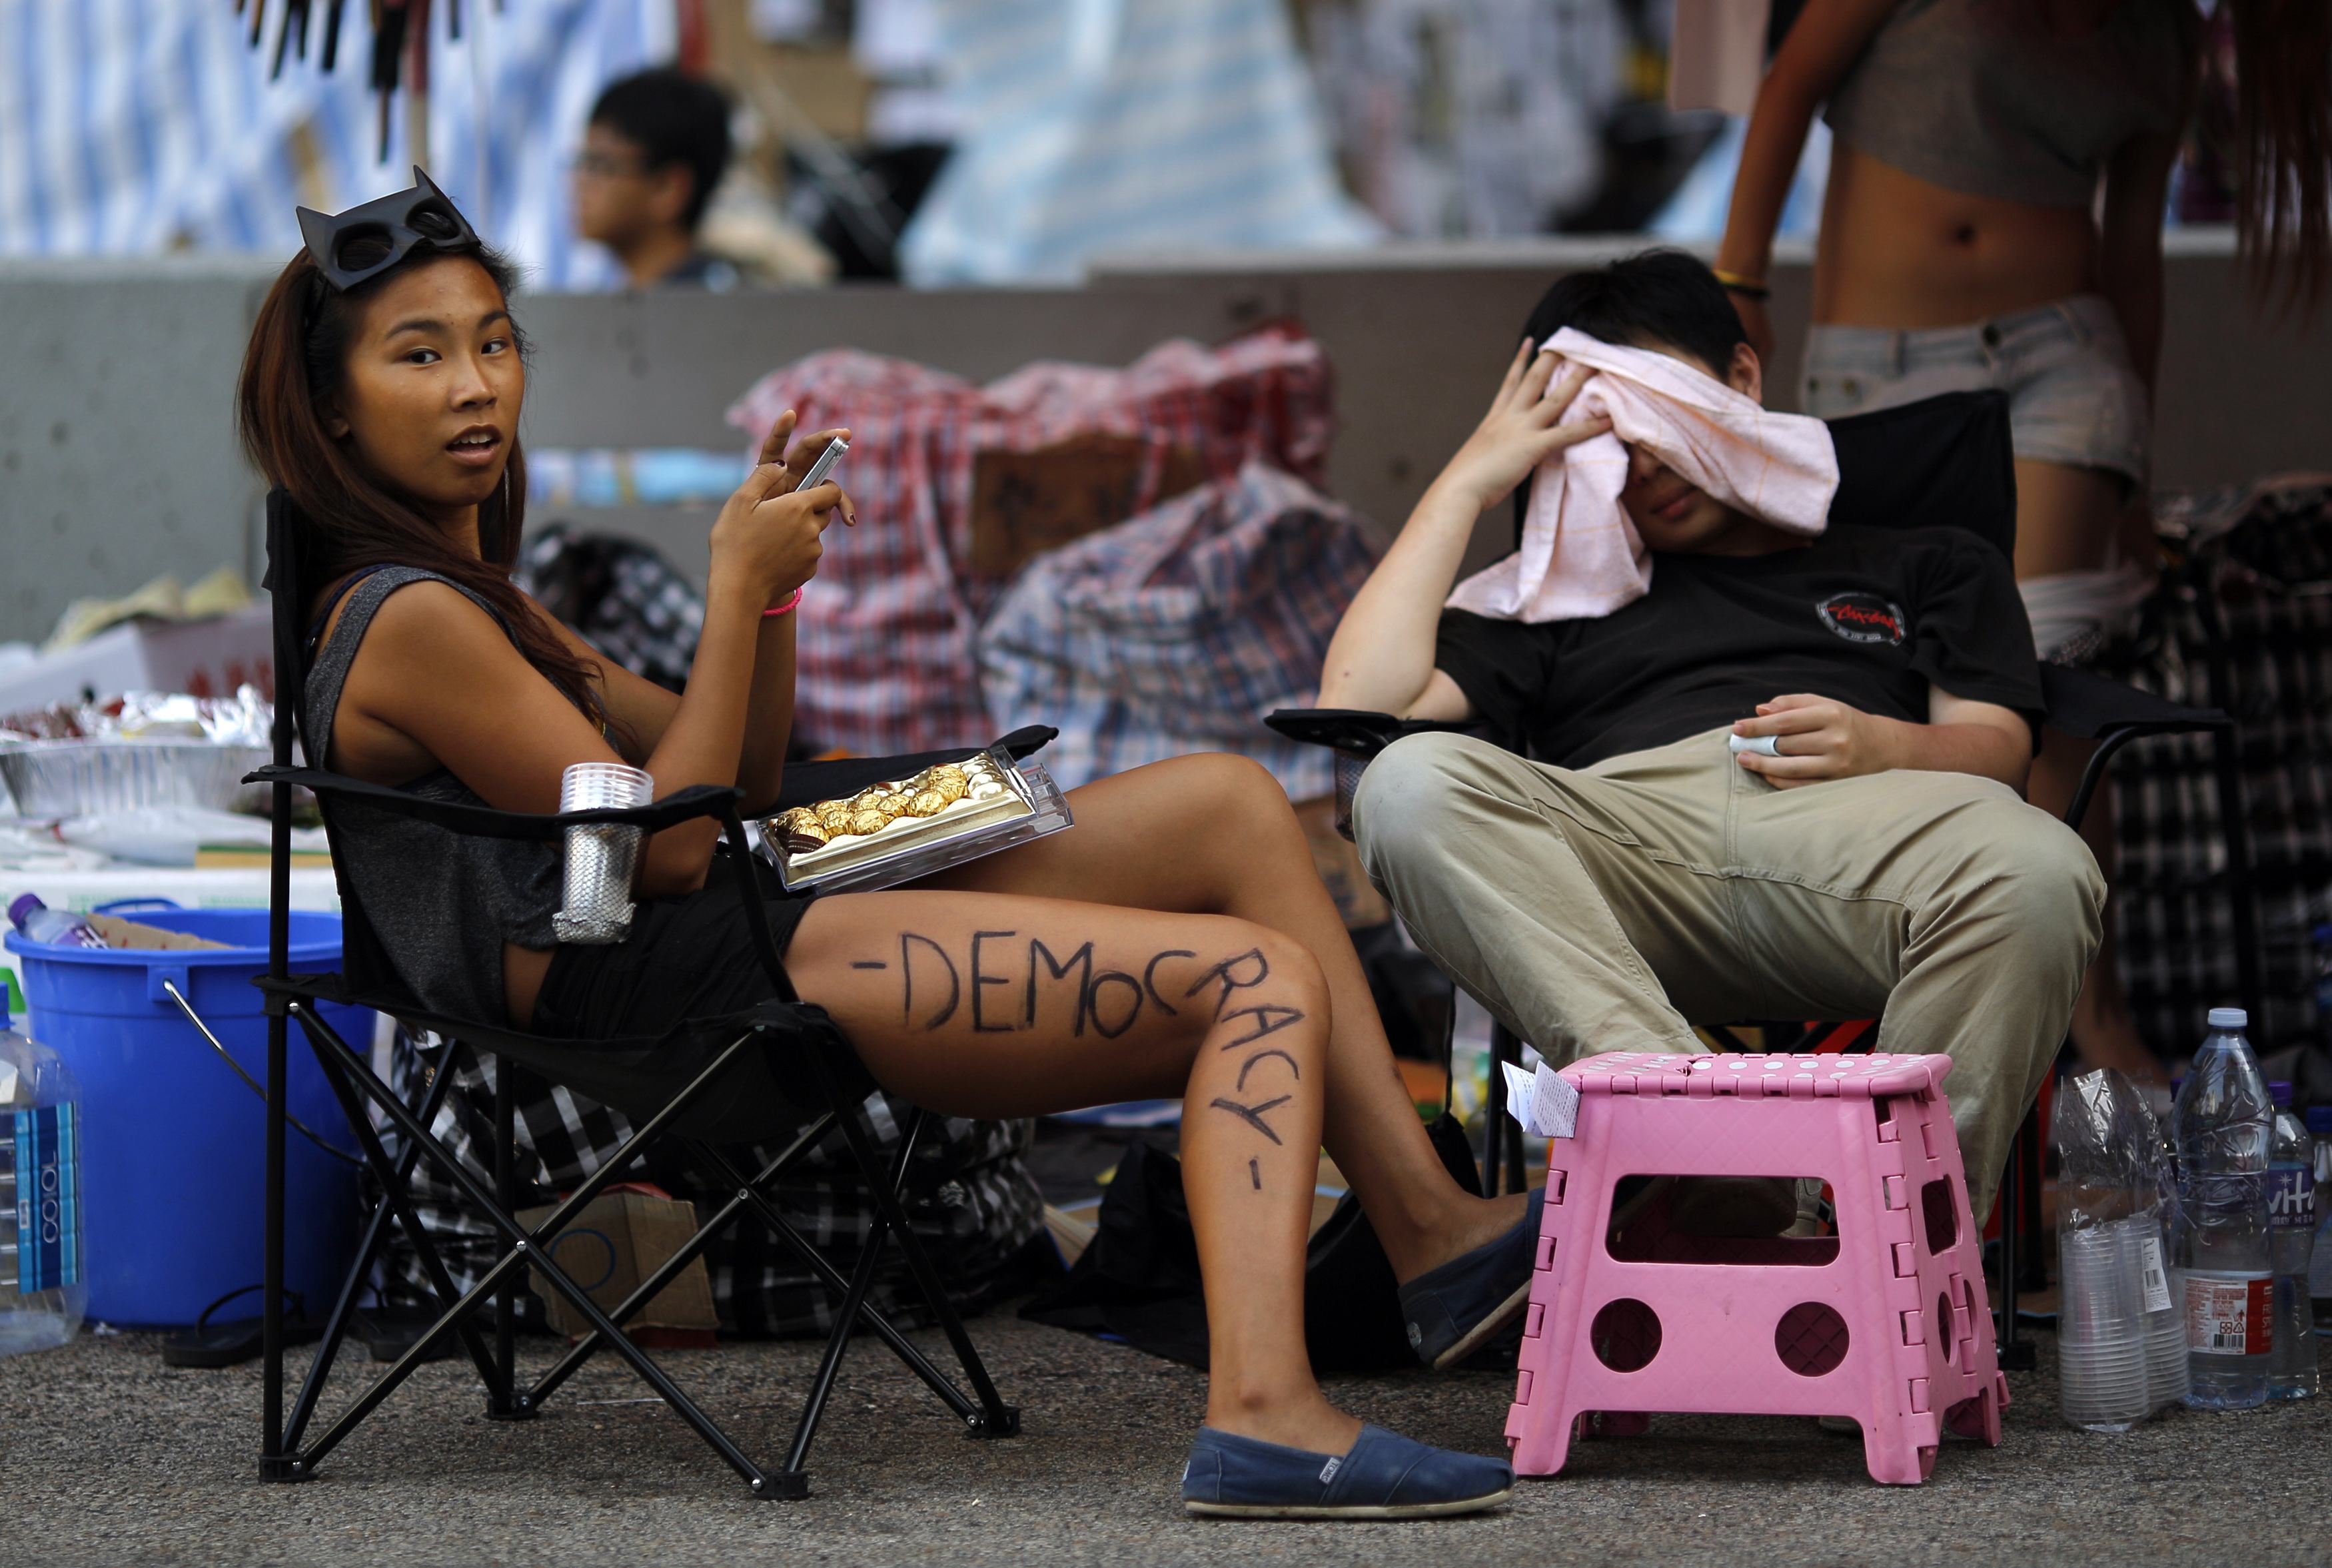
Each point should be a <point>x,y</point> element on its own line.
<point>1959,471</point>
<point>730,1061</point>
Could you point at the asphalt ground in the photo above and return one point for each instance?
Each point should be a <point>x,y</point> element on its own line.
<point>106,1456</point>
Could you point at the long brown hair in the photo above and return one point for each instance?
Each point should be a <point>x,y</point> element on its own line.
<point>348,518</point>
<point>2283,147</point>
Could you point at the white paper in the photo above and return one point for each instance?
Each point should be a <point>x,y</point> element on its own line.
<point>2150,1270</point>
<point>1546,1102</point>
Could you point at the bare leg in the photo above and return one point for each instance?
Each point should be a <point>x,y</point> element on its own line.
<point>1213,834</point>
<point>2065,517</point>
<point>997,1005</point>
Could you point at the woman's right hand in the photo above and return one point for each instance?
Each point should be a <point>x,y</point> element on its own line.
<point>1523,428</point>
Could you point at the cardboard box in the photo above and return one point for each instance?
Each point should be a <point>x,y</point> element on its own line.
<point>1024,503</point>
<point>206,657</point>
<point>621,1237</point>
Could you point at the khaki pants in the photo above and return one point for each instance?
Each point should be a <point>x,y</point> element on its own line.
<point>1613,907</point>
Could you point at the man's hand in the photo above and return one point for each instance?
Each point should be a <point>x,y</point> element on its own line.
<point>1523,428</point>
<point>1819,738</point>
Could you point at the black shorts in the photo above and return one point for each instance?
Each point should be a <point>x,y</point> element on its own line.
<point>686,959</point>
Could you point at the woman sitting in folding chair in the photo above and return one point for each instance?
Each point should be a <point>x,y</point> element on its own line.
<point>1178,941</point>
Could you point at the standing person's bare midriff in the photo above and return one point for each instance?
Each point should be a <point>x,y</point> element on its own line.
<point>1897,251</point>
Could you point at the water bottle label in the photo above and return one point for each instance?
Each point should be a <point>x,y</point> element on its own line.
<point>48,1198</point>
<point>2291,1197</point>
<point>2229,1315</point>
<point>2151,1272</point>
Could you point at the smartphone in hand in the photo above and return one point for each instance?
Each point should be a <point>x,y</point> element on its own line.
<point>823,468</point>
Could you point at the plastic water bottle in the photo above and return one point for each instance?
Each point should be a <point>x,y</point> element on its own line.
<point>43,1277</point>
<point>2319,1266</point>
<point>2226,1270</point>
<point>2291,1234</point>
<point>40,923</point>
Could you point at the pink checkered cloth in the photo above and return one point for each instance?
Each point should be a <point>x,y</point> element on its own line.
<point>1580,556</point>
<point>884,654</point>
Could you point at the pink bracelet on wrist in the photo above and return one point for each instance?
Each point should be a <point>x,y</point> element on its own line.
<point>787,608</point>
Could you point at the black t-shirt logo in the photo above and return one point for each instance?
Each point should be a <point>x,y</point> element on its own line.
<point>1863,618</point>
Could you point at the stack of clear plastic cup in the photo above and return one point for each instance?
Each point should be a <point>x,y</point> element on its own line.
<point>602,856</point>
<point>2101,1330</point>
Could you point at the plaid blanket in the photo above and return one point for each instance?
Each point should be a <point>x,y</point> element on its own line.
<point>2245,624</point>
<point>885,655</point>
<point>1177,630</point>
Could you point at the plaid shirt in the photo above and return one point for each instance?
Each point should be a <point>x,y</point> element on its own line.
<point>884,644</point>
<point>623,598</point>
<point>1177,630</point>
<point>2264,557</point>
<point>967,1196</point>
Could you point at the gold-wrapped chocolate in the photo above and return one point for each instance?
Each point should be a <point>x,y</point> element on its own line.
<point>868,800</point>
<point>868,821</point>
<point>893,803</point>
<point>802,831</point>
<point>927,804</point>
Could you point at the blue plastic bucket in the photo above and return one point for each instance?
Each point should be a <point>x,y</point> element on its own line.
<point>174,1144</point>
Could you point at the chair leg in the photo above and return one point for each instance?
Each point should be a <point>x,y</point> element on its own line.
<point>441,1279</point>
<point>459,1317</point>
<point>793,1481</point>
<point>501,1390</point>
<point>996,1419</point>
<point>336,1328</point>
<point>750,1194</point>
<point>275,1461</point>
<point>1502,1138</point>
<point>2016,1353</point>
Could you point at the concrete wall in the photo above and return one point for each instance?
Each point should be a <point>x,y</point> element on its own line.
<point>117,458</point>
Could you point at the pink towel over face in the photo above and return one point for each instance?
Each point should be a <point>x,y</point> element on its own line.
<point>1580,555</point>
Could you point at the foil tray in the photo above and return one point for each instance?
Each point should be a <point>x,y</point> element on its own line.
<point>80,778</point>
<point>1031,808</point>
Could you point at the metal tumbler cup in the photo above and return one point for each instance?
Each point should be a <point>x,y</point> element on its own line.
<point>601,856</point>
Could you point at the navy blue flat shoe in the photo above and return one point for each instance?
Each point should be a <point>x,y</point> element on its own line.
<point>1456,1309</point>
<point>1385,1476</point>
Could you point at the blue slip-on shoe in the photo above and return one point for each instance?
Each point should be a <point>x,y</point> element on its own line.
<point>1453,1310</point>
<point>1385,1476</point>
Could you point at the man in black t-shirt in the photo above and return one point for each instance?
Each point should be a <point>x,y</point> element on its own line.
<point>1637,875</point>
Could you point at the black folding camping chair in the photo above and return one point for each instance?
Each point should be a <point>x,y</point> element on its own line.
<point>1945,462</point>
<point>710,1083</point>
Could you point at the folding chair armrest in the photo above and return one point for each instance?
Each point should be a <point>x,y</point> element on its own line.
<point>716,801</point>
<point>1353,731</point>
<point>2093,707</point>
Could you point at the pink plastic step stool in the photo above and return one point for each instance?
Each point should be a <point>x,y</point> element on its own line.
<point>1885,1322</point>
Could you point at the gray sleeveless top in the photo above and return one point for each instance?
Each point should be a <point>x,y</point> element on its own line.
<point>440,903</point>
<point>1978,96</point>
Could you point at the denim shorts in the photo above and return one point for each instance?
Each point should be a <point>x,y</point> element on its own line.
<point>2072,397</point>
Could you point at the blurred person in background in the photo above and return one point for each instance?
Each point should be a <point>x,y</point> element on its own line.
<point>1993,219</point>
<point>655,152</point>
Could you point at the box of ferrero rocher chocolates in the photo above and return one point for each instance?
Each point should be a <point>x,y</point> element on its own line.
<point>931,809</point>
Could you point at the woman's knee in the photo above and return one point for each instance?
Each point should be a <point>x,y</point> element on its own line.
<point>1267,983</point>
